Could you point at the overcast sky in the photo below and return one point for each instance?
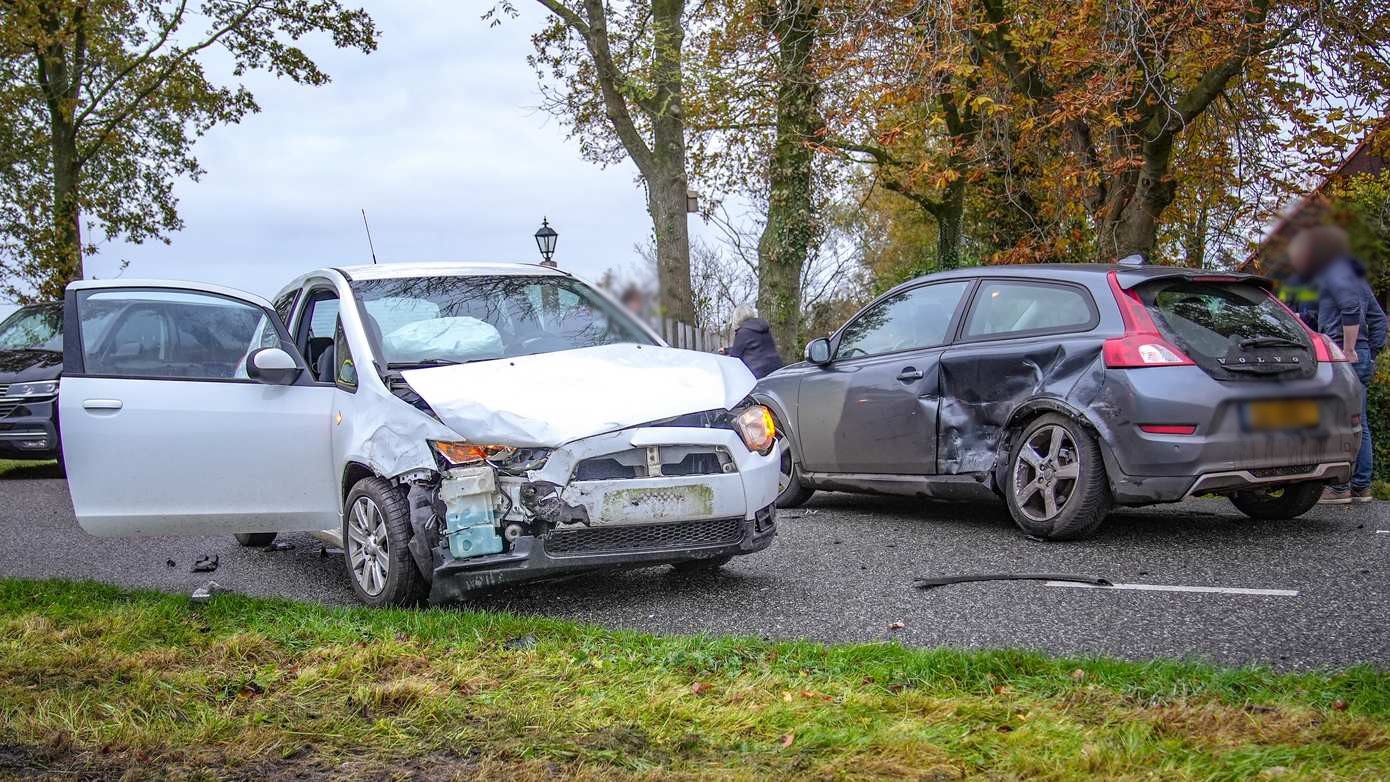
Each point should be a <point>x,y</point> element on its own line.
<point>435,134</point>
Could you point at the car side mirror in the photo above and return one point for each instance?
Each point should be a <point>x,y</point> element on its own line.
<point>818,351</point>
<point>272,366</point>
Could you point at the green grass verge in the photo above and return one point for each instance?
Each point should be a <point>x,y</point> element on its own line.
<point>13,469</point>
<point>100,681</point>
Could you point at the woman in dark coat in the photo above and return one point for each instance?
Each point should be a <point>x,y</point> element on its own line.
<point>753,342</point>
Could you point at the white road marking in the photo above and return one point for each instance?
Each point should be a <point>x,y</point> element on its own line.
<point>1177,588</point>
<point>1383,532</point>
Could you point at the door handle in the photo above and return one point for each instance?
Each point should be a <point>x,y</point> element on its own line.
<point>101,404</point>
<point>911,373</point>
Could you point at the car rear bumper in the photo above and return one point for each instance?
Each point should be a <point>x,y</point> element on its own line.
<point>567,551</point>
<point>1223,453</point>
<point>30,431</point>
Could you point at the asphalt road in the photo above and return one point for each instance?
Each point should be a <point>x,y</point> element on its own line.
<point>842,570</point>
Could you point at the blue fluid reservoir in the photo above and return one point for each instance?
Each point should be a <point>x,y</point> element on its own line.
<point>469,495</point>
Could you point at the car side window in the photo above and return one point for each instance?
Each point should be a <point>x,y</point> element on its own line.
<point>345,371</point>
<point>317,338</point>
<point>1005,307</point>
<point>171,334</point>
<point>914,318</point>
<point>284,305</point>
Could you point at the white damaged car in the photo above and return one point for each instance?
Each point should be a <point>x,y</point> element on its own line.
<point>451,426</point>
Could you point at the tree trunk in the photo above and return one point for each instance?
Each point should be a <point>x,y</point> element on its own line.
<point>666,192</point>
<point>1129,223</point>
<point>788,236</point>
<point>666,182</point>
<point>948,227</point>
<point>58,80</point>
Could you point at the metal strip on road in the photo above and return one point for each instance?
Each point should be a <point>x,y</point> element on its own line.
<point>1177,588</point>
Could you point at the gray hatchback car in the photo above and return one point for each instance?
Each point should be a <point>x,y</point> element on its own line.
<point>1068,389</point>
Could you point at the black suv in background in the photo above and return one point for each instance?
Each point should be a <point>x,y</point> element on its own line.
<point>31,358</point>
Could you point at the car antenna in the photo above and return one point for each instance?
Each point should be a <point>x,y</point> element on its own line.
<point>370,246</point>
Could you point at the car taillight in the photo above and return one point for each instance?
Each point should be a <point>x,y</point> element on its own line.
<point>1325,349</point>
<point>1142,345</point>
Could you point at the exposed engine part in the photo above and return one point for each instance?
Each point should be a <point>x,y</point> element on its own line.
<point>512,531</point>
<point>471,501</point>
<point>543,500</point>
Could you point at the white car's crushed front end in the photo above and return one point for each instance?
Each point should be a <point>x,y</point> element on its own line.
<point>614,456</point>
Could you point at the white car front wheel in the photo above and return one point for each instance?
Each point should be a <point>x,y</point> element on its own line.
<point>376,536</point>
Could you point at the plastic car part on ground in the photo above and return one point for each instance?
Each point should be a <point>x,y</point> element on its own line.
<point>550,399</point>
<point>925,583</point>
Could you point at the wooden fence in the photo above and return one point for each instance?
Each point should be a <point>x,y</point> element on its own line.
<point>684,335</point>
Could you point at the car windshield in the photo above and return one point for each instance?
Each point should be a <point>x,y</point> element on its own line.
<point>419,321</point>
<point>33,328</point>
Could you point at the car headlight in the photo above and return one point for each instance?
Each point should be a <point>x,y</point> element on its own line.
<point>755,425</point>
<point>459,454</point>
<point>30,390</point>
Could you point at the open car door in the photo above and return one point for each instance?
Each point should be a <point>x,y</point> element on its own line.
<point>186,410</point>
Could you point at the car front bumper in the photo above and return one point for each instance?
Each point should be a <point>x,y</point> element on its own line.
<point>29,429</point>
<point>622,546</point>
<point>626,517</point>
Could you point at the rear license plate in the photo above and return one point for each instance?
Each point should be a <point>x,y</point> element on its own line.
<point>1283,414</point>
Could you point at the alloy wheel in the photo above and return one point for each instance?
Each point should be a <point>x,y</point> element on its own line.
<point>367,546</point>
<point>784,464</point>
<point>1046,473</point>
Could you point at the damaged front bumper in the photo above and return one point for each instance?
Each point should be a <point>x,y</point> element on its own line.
<point>637,497</point>
<point>563,552</point>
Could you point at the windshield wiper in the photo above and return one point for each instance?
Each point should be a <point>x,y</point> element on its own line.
<point>434,362</point>
<point>1271,342</point>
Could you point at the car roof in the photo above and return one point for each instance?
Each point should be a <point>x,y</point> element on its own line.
<point>1129,276</point>
<point>395,271</point>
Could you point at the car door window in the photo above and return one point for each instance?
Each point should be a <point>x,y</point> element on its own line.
<point>914,318</point>
<point>1007,307</point>
<point>171,334</point>
<point>317,333</point>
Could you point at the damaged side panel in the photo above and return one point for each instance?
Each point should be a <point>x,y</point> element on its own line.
<point>983,387</point>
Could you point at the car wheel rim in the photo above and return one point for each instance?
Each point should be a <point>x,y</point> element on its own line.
<point>1045,473</point>
<point>784,465</point>
<point>368,546</point>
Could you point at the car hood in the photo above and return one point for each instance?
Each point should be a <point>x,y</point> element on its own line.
<point>20,366</point>
<point>550,399</point>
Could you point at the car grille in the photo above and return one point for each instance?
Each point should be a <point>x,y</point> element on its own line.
<point>4,389</point>
<point>685,534</point>
<point>7,407</point>
<point>632,464</point>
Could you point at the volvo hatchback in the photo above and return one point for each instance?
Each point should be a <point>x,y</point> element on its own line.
<point>1068,389</point>
<point>452,426</point>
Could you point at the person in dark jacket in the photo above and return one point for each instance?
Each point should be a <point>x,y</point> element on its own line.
<point>1346,311</point>
<point>753,342</point>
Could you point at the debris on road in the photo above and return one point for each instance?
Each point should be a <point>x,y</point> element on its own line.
<point>205,592</point>
<point>923,582</point>
<point>170,563</point>
<point>279,545</point>
<point>896,625</point>
<point>205,564</point>
<point>329,551</point>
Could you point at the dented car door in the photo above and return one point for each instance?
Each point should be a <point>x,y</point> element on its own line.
<point>873,409</point>
<point>172,424</point>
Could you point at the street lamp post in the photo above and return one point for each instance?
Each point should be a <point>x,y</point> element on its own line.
<point>546,237</point>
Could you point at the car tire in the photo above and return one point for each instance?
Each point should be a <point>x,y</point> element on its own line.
<point>255,539</point>
<point>376,537</point>
<point>1283,502</point>
<point>1056,487</point>
<point>790,492</point>
<point>692,566</point>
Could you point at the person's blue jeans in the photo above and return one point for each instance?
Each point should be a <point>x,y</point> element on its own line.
<point>1361,471</point>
